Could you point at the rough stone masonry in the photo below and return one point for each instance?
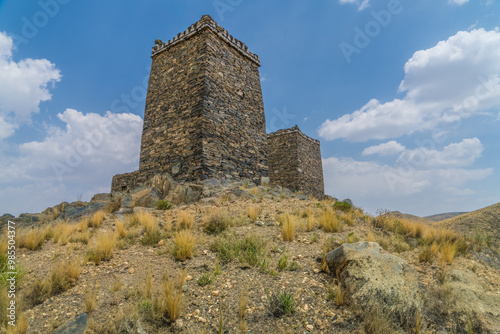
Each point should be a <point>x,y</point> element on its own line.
<point>204,118</point>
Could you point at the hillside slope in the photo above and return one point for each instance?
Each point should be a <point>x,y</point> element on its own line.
<point>483,221</point>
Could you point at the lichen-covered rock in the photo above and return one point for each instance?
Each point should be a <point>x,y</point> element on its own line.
<point>146,197</point>
<point>471,299</point>
<point>75,326</point>
<point>374,280</point>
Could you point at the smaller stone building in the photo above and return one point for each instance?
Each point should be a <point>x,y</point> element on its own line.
<point>295,161</point>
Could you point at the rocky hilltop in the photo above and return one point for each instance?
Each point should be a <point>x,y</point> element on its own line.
<point>234,257</point>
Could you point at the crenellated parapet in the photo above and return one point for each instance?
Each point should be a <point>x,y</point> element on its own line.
<point>206,22</point>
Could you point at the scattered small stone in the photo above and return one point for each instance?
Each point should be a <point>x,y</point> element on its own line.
<point>179,323</point>
<point>259,223</point>
<point>196,312</point>
<point>185,288</point>
<point>316,270</point>
<point>189,278</point>
<point>309,327</point>
<point>215,293</point>
<point>202,320</point>
<point>131,270</point>
<point>160,243</point>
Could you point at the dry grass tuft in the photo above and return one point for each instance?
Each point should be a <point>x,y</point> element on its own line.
<point>253,212</point>
<point>97,218</point>
<point>145,219</point>
<point>310,221</point>
<point>243,303</point>
<point>114,205</point>
<point>169,303</point>
<point>254,190</point>
<point>448,251</point>
<point>149,284</point>
<point>185,220</point>
<point>120,229</point>
<point>184,244</point>
<point>328,221</point>
<point>63,276</point>
<point>32,239</point>
<point>83,224</point>
<point>288,228</point>
<point>339,296</point>
<point>62,231</point>
<point>103,249</point>
<point>216,222</point>
<point>91,299</point>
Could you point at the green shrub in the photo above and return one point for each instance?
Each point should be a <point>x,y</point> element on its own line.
<point>205,279</point>
<point>163,205</point>
<point>342,206</point>
<point>217,223</point>
<point>281,303</point>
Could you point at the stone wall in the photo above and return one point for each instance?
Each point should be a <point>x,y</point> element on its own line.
<point>295,162</point>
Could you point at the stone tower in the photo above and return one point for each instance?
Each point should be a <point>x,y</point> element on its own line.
<point>204,113</point>
<point>295,162</point>
<point>204,118</point>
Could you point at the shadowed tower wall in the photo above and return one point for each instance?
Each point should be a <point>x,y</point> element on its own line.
<point>295,162</point>
<point>204,113</point>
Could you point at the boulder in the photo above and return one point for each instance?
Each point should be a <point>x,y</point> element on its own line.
<point>146,197</point>
<point>75,326</point>
<point>374,281</point>
<point>471,299</point>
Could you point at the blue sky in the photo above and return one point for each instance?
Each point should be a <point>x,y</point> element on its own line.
<point>404,95</point>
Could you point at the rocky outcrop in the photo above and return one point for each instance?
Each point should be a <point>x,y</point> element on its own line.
<point>472,300</point>
<point>378,281</point>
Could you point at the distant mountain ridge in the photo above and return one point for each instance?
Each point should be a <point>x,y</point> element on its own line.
<point>442,216</point>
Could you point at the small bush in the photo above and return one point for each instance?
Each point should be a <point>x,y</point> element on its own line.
<point>184,244</point>
<point>216,223</point>
<point>342,206</point>
<point>97,218</point>
<point>352,238</point>
<point>293,266</point>
<point>205,279</point>
<point>103,249</point>
<point>185,220</point>
<point>281,303</point>
<point>288,228</point>
<point>163,205</point>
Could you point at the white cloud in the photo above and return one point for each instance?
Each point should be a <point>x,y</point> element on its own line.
<point>23,85</point>
<point>81,157</point>
<point>419,191</point>
<point>362,4</point>
<point>454,155</point>
<point>453,80</point>
<point>391,147</point>
<point>458,2</point>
